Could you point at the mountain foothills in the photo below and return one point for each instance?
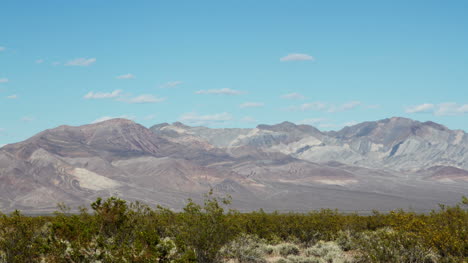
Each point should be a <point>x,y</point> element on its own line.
<point>387,164</point>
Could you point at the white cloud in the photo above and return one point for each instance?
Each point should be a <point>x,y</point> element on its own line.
<point>12,97</point>
<point>171,84</point>
<point>82,62</point>
<point>103,95</point>
<point>441,109</point>
<point>39,61</point>
<point>126,76</point>
<point>224,91</point>
<point>293,96</point>
<point>297,57</point>
<point>106,118</point>
<point>310,106</point>
<point>450,109</point>
<point>55,63</point>
<point>345,107</point>
<point>2,49</point>
<point>251,105</point>
<point>4,80</point>
<point>422,108</point>
<point>195,119</point>
<point>145,98</point>
<point>27,119</point>
<point>321,106</point>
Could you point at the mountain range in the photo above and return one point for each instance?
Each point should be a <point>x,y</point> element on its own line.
<point>383,165</point>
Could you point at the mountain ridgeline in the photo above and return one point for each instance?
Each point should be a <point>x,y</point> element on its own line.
<point>387,164</point>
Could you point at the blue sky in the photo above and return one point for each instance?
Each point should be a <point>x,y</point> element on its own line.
<point>231,63</point>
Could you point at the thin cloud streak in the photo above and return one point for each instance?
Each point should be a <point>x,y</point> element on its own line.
<point>251,105</point>
<point>144,98</point>
<point>126,76</point>
<point>171,84</point>
<point>297,57</point>
<point>322,106</point>
<point>81,62</point>
<point>103,95</point>
<point>423,108</point>
<point>441,109</point>
<point>293,96</point>
<point>224,91</point>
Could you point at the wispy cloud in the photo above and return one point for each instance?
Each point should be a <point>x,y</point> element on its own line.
<point>27,119</point>
<point>309,106</point>
<point>2,49</point>
<point>103,95</point>
<point>171,84</point>
<point>293,96</point>
<point>345,107</point>
<point>106,118</point>
<point>252,105</point>
<point>224,91</point>
<point>441,109</point>
<point>195,119</point>
<point>55,63</point>
<point>297,57</point>
<point>422,108</point>
<point>451,109</point>
<point>81,62</point>
<point>4,80</point>
<point>12,97</point>
<point>39,61</point>
<point>126,76</point>
<point>322,106</point>
<point>144,98</point>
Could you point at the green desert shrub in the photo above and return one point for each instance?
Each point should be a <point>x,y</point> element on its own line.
<point>327,251</point>
<point>206,229</point>
<point>388,245</point>
<point>246,249</point>
<point>286,249</point>
<point>119,231</point>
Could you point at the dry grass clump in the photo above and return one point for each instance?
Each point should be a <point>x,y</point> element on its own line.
<point>253,249</point>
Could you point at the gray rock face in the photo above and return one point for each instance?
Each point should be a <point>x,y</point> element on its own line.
<point>388,164</point>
